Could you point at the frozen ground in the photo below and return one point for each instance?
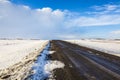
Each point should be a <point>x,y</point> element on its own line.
<point>13,51</point>
<point>43,67</point>
<point>108,46</point>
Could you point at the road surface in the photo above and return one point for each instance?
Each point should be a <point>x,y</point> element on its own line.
<point>83,63</point>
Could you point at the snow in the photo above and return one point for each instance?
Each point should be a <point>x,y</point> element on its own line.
<point>13,51</point>
<point>38,67</point>
<point>43,67</point>
<point>51,52</point>
<point>108,46</point>
<point>51,65</point>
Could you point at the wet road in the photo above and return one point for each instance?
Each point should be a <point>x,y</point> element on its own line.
<point>93,67</point>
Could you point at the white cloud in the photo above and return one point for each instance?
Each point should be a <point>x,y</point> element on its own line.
<point>111,7</point>
<point>69,36</point>
<point>101,20</point>
<point>46,23</point>
<point>101,16</point>
<point>3,0</point>
<point>107,7</point>
<point>26,7</point>
<point>117,32</point>
<point>20,20</point>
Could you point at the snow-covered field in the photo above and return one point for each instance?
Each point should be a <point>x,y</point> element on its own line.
<point>13,51</point>
<point>108,46</point>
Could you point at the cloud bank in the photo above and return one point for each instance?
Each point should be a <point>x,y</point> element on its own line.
<point>46,23</point>
<point>117,32</point>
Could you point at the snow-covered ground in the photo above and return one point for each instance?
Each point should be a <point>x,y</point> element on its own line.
<point>108,46</point>
<point>13,51</point>
<point>43,67</point>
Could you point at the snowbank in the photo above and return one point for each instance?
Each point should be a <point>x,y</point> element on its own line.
<point>108,46</point>
<point>43,67</point>
<point>13,51</point>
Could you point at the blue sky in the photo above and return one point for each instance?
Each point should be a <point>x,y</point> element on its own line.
<point>65,4</point>
<point>60,19</point>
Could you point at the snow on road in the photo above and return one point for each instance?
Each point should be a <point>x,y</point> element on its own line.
<point>108,46</point>
<point>43,67</point>
<point>13,51</point>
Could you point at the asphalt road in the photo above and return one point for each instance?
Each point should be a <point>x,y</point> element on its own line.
<point>86,63</point>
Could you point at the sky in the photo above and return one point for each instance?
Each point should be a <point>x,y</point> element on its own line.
<point>60,19</point>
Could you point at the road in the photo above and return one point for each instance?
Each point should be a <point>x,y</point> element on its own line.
<point>83,64</point>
